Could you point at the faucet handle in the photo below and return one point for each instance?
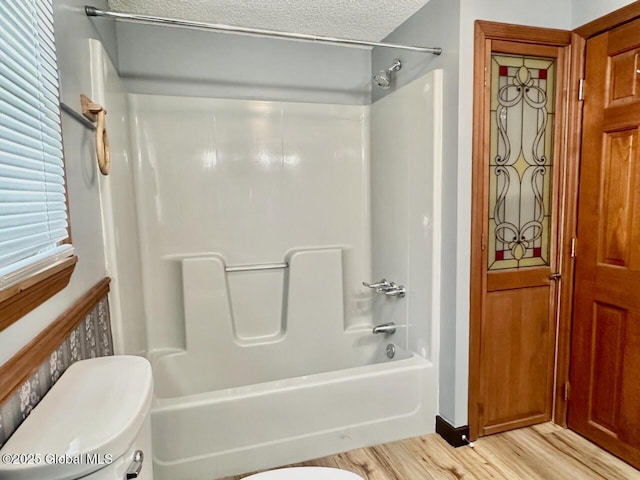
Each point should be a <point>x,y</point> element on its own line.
<point>396,291</point>
<point>389,287</point>
<point>389,327</point>
<point>381,284</point>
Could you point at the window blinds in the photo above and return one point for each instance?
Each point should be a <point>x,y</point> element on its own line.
<point>33,211</point>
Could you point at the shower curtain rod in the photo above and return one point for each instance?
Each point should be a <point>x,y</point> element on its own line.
<point>150,19</point>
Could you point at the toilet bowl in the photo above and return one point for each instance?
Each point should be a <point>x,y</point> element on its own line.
<point>93,424</point>
<point>305,473</point>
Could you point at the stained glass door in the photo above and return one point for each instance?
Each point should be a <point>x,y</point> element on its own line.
<point>521,160</point>
<point>521,192</point>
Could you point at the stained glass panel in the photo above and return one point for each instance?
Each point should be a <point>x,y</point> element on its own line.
<point>521,161</point>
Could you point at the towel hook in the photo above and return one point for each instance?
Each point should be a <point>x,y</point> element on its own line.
<point>96,113</point>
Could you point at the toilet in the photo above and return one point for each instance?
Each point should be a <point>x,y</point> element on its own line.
<point>305,473</point>
<point>93,424</point>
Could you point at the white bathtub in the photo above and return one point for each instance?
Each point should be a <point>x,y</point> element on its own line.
<point>237,430</point>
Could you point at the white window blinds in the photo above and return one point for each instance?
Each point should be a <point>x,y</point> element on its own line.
<point>33,211</point>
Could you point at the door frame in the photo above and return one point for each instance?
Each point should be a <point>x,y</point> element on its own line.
<point>485,31</point>
<point>576,42</point>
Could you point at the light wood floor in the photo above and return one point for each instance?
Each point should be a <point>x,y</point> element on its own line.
<point>545,452</point>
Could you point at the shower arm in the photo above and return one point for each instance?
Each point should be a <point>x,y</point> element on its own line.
<point>218,27</point>
<point>397,65</point>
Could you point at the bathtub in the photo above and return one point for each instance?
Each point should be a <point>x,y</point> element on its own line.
<point>232,431</point>
<point>311,384</point>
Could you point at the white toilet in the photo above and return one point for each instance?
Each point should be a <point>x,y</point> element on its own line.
<point>93,424</point>
<point>305,473</point>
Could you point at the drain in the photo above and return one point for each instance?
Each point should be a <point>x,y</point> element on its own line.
<point>391,350</point>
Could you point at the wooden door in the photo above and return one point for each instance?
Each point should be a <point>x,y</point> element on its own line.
<point>523,108</point>
<point>604,405</point>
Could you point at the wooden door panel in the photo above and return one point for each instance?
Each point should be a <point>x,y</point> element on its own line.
<point>605,360</point>
<point>630,393</point>
<point>617,117</point>
<point>625,78</point>
<point>617,197</point>
<point>516,362</point>
<point>623,39</point>
<point>518,279</point>
<point>605,383</point>
<point>609,327</point>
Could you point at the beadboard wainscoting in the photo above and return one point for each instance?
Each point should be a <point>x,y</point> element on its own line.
<point>90,337</point>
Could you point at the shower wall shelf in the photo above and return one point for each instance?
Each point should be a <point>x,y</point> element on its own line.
<point>218,27</point>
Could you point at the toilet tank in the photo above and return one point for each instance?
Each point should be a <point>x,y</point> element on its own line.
<point>93,424</point>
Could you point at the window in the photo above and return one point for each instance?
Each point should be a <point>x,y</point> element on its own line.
<point>36,256</point>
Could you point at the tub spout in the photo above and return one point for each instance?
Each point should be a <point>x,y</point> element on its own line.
<point>385,328</point>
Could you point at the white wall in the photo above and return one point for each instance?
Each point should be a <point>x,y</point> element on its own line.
<point>171,61</point>
<point>406,209</point>
<point>72,31</point>
<point>250,181</point>
<point>583,11</point>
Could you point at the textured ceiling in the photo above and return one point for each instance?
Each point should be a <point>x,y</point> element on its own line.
<point>359,19</point>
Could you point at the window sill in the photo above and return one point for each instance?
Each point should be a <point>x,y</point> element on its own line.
<point>18,300</point>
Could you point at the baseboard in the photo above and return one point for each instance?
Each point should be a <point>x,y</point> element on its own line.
<point>452,435</point>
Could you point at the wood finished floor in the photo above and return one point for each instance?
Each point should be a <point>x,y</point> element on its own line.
<point>545,452</point>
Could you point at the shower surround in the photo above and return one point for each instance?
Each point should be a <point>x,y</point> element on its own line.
<point>226,183</point>
<point>259,368</point>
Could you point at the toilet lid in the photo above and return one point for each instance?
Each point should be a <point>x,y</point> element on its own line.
<point>305,473</point>
<point>96,409</point>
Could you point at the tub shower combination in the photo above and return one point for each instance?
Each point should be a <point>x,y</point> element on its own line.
<point>262,230</point>
<point>258,243</point>
<point>309,389</point>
